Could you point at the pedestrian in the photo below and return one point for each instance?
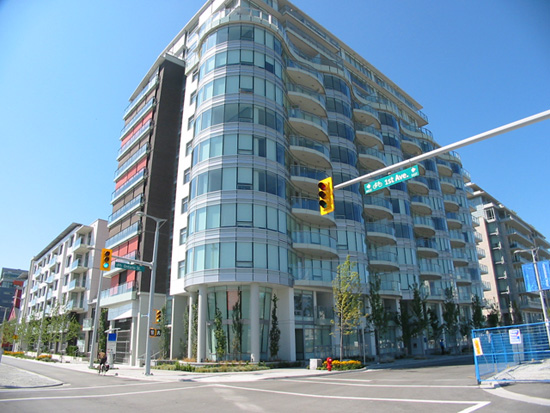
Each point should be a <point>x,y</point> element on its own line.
<point>442,345</point>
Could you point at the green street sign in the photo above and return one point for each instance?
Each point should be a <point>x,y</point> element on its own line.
<point>392,179</point>
<point>126,266</point>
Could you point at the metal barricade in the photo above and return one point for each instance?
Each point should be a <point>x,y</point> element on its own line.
<point>512,353</point>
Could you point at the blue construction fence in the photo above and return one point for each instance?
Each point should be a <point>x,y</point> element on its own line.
<point>499,351</point>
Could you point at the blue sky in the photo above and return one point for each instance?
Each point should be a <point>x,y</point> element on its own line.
<point>67,69</point>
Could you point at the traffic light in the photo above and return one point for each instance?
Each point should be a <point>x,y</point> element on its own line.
<point>106,257</point>
<point>158,316</point>
<point>326,196</point>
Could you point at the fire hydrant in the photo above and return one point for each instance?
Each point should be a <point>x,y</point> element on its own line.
<point>329,364</point>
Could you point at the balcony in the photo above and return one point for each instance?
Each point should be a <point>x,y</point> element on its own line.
<point>306,178</point>
<point>410,145</point>
<point>516,235</point>
<point>381,233</point>
<point>478,237</point>
<point>421,205</point>
<point>79,266</point>
<point>460,259</point>
<point>126,210</point>
<point>483,269</point>
<point>418,185</point>
<point>307,99</point>
<point>312,275</point>
<point>324,315</point>
<point>50,279</point>
<point>307,209</point>
<point>457,239</point>
<point>308,124</point>
<point>141,153</point>
<point>137,117</point>
<point>486,285</point>
<point>310,151</point>
<point>423,226</point>
<point>382,260</point>
<point>304,75</point>
<point>314,244</point>
<point>453,220</point>
<point>475,221</point>
<point>135,139</point>
<point>128,185</point>
<point>462,278</point>
<point>377,207</point>
<point>466,175</point>
<point>451,203</point>
<point>368,136</point>
<point>52,263</point>
<point>429,270</point>
<point>140,97</point>
<point>480,253</point>
<point>119,294</point>
<point>448,185</point>
<point>443,167</point>
<point>366,115</point>
<point>371,158</point>
<point>426,248</point>
<point>515,222</point>
<point>87,324</point>
<point>528,303</point>
<point>124,235</point>
<point>80,246</point>
<point>76,306</point>
<point>76,286</point>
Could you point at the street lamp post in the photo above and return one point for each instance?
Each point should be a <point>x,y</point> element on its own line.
<point>158,224</point>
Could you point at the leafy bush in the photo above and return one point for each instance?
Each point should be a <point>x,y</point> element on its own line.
<point>72,351</point>
<point>343,365</point>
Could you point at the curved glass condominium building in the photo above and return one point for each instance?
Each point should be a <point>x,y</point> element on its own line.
<point>271,104</point>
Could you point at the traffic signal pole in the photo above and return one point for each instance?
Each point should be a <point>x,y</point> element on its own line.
<point>444,149</point>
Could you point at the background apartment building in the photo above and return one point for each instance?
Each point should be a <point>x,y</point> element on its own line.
<point>509,241</point>
<point>11,282</point>
<point>64,276</point>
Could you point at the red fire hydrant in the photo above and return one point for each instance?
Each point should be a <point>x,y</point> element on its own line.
<point>329,364</point>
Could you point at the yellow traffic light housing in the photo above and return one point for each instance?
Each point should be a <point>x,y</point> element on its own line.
<point>158,316</point>
<point>106,257</point>
<point>326,196</point>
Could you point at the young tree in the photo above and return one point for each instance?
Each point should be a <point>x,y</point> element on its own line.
<point>219,335</point>
<point>436,328</point>
<point>450,315</point>
<point>378,317</point>
<point>237,328</point>
<point>164,346</point>
<point>403,320</point>
<point>184,343</point>
<point>493,318</point>
<point>274,332</point>
<point>478,319</point>
<point>418,309</point>
<point>346,288</point>
<point>101,335</point>
<point>195,331</point>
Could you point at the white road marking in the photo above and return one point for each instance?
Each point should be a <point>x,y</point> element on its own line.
<point>96,396</point>
<point>476,404</point>
<point>427,386</point>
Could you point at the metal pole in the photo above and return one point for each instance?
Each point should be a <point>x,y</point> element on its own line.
<point>465,142</point>
<point>541,294</point>
<point>96,320</point>
<point>158,223</point>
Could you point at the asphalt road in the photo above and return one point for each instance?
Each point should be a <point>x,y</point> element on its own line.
<point>442,389</point>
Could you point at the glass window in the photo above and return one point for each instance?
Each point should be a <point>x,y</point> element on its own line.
<point>228,214</point>
<point>259,216</point>
<point>260,257</point>
<point>227,255</point>
<point>244,255</point>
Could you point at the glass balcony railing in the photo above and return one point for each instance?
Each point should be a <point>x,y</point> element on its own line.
<point>365,108</point>
<point>77,283</point>
<point>381,228</point>
<point>123,235</point>
<point>136,137</point>
<point>305,203</point>
<point>300,114</point>
<point>291,87</point>
<point>305,172</point>
<point>426,243</point>
<point>134,180</point>
<point>368,129</point>
<point>119,289</point>
<point>152,83</point>
<point>137,117</point>
<point>363,150</point>
<point>307,237</point>
<point>378,201</point>
<point>378,254</point>
<point>420,220</point>
<point>304,142</point>
<point>126,209</point>
<point>141,152</point>
<point>428,266</point>
<point>313,274</point>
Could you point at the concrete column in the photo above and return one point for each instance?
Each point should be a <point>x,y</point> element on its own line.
<point>285,312</point>
<point>254,322</point>
<point>201,339</point>
<point>178,311</point>
<point>191,302</point>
